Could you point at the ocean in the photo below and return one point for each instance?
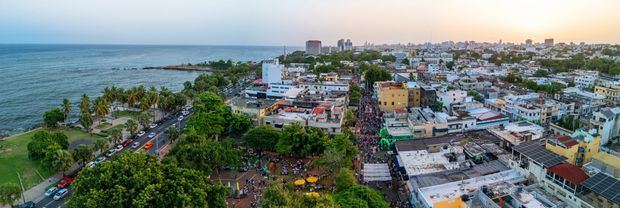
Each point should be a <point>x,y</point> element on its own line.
<point>35,78</point>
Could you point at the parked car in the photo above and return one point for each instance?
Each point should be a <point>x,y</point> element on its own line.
<point>127,142</point>
<point>135,145</point>
<point>118,148</point>
<point>185,113</point>
<point>51,191</point>
<point>99,160</point>
<point>141,133</point>
<point>91,164</point>
<point>180,118</point>
<point>148,145</point>
<point>28,204</point>
<point>110,152</point>
<point>66,181</point>
<point>151,135</point>
<point>61,194</point>
<point>153,125</point>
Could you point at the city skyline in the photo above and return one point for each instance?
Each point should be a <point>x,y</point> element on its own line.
<point>278,22</point>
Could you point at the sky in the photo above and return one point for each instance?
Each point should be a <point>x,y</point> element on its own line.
<point>292,22</point>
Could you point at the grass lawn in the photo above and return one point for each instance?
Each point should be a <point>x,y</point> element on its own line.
<point>14,158</point>
<point>119,127</point>
<point>132,114</point>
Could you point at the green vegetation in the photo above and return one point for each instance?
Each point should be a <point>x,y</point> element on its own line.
<point>605,66</point>
<point>262,137</point>
<point>373,73</point>
<point>126,113</point>
<point>9,193</point>
<point>52,117</point>
<point>14,157</point>
<point>570,122</point>
<point>508,57</point>
<point>139,180</point>
<point>301,141</point>
<point>277,196</point>
<point>354,94</point>
<point>477,96</point>
<point>552,88</point>
<point>202,154</point>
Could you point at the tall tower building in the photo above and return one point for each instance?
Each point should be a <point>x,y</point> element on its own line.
<point>313,47</point>
<point>549,42</point>
<point>341,45</point>
<point>528,42</point>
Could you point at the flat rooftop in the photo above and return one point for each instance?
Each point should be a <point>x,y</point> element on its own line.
<point>447,191</point>
<point>419,162</point>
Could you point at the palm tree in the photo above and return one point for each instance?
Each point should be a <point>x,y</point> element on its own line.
<point>66,108</point>
<point>102,107</point>
<point>83,153</point>
<point>62,160</point>
<point>116,135</point>
<point>145,104</point>
<point>101,144</point>
<point>131,126</point>
<point>85,104</point>
<point>173,133</point>
<point>144,119</point>
<point>86,120</point>
<point>108,94</point>
<point>132,97</point>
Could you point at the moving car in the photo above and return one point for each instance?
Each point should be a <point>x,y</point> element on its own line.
<point>151,135</point>
<point>51,191</point>
<point>148,145</point>
<point>141,133</point>
<point>66,181</point>
<point>135,145</point>
<point>61,194</point>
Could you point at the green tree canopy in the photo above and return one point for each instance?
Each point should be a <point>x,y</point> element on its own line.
<point>9,193</point>
<point>262,137</point>
<point>139,180</point>
<point>373,73</point>
<point>301,141</point>
<point>52,117</point>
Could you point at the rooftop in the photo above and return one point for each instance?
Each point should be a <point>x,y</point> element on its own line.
<point>569,172</point>
<point>537,152</point>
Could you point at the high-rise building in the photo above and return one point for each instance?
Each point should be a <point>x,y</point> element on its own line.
<point>313,47</point>
<point>528,42</point>
<point>348,45</point>
<point>549,42</point>
<point>341,45</point>
<point>272,71</point>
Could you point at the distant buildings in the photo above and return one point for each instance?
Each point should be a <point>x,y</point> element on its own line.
<point>549,42</point>
<point>528,42</point>
<point>345,45</point>
<point>313,47</point>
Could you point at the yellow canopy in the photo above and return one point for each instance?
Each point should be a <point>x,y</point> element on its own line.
<point>312,194</point>
<point>312,179</point>
<point>300,182</point>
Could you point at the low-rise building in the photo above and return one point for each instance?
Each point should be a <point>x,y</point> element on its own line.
<point>579,148</point>
<point>391,95</point>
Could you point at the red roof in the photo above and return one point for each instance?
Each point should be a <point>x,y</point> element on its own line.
<point>318,110</point>
<point>569,172</point>
<point>400,110</point>
<point>567,141</point>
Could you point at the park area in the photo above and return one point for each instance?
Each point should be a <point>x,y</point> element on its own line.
<point>14,157</point>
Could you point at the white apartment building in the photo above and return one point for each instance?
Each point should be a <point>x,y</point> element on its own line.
<point>451,96</point>
<point>585,81</point>
<point>271,71</point>
<point>606,122</point>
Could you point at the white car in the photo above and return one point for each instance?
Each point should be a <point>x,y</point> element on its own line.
<point>118,148</point>
<point>152,125</point>
<point>91,164</point>
<point>51,191</point>
<point>135,145</point>
<point>110,152</point>
<point>180,118</point>
<point>185,113</point>
<point>141,133</point>
<point>151,135</point>
<point>61,194</point>
<point>99,160</point>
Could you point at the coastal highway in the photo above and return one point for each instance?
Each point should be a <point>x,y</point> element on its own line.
<point>160,140</point>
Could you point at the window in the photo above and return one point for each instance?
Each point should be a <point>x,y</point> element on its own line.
<point>392,103</point>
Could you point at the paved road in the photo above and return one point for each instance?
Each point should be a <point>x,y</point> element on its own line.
<point>159,141</point>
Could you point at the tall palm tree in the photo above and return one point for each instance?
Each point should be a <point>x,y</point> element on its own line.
<point>132,96</point>
<point>145,104</point>
<point>85,104</point>
<point>102,107</point>
<point>108,94</point>
<point>131,126</point>
<point>66,108</point>
<point>144,119</point>
<point>101,144</point>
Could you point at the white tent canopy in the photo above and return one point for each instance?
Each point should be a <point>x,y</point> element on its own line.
<point>376,172</point>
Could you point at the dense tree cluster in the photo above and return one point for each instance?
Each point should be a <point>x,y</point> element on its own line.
<point>9,193</point>
<point>301,141</point>
<point>139,180</point>
<point>606,66</point>
<point>276,196</point>
<point>373,73</point>
<point>52,117</point>
<point>354,94</point>
<point>51,150</point>
<point>212,118</point>
<point>350,194</point>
